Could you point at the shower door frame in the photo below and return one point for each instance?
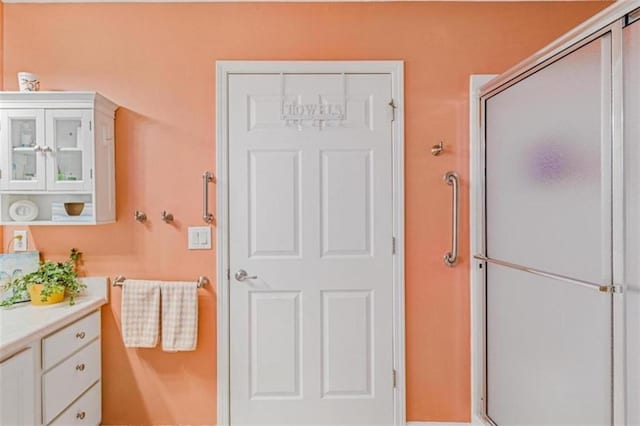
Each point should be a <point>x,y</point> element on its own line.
<point>610,20</point>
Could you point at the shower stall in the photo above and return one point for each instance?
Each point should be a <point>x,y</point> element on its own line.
<point>558,247</point>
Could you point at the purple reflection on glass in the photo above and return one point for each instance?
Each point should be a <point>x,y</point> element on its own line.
<point>549,162</point>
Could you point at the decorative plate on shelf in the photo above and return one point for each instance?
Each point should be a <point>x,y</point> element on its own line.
<point>23,211</point>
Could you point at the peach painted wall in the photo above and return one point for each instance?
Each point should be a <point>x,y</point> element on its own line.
<point>157,61</point>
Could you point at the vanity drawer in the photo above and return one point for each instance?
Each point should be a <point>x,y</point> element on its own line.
<point>63,343</point>
<point>85,411</point>
<point>68,380</point>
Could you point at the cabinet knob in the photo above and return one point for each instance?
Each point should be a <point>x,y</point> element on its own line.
<point>80,335</point>
<point>37,148</point>
<point>80,415</point>
<point>80,367</point>
<point>47,149</point>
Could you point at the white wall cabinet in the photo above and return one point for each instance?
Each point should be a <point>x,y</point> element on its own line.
<point>57,147</point>
<point>17,389</point>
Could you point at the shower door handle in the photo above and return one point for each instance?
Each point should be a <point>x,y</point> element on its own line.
<point>451,258</point>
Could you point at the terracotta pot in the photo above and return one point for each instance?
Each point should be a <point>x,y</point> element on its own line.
<point>35,291</point>
<point>74,209</point>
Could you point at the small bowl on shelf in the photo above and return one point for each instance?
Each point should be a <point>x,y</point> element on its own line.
<point>74,209</point>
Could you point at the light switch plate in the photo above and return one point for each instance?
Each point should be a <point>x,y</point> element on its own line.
<point>199,238</point>
<point>20,240</point>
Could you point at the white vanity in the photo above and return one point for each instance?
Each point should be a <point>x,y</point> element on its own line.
<point>50,362</point>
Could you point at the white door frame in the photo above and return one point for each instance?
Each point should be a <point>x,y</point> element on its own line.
<point>225,68</point>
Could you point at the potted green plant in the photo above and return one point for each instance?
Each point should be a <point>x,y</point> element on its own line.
<point>50,283</point>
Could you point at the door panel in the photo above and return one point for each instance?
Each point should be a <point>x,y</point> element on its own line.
<point>346,202</point>
<point>347,352</point>
<point>548,148</point>
<point>276,344</point>
<point>311,333</point>
<point>548,351</point>
<point>274,179</point>
<point>17,379</point>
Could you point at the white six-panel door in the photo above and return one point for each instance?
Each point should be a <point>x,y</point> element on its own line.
<point>311,222</point>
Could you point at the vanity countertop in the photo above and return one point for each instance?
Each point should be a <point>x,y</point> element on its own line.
<point>23,323</point>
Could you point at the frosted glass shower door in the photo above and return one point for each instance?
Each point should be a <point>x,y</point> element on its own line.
<point>548,240</point>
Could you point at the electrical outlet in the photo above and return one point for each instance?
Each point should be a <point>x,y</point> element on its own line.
<point>20,240</point>
<point>199,238</point>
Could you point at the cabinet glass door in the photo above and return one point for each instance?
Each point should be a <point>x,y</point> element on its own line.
<point>68,150</point>
<point>22,141</point>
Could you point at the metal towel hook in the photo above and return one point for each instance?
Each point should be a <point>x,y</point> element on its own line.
<point>166,217</point>
<point>141,217</point>
<point>437,149</point>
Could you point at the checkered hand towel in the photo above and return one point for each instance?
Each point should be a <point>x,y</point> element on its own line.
<point>179,316</point>
<point>140,313</point>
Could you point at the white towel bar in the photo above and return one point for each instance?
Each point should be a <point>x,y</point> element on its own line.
<point>120,279</point>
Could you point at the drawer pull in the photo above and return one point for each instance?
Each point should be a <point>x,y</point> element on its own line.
<point>80,335</point>
<point>80,415</point>
<point>80,367</point>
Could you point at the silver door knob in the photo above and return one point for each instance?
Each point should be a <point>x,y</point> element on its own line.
<point>242,275</point>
